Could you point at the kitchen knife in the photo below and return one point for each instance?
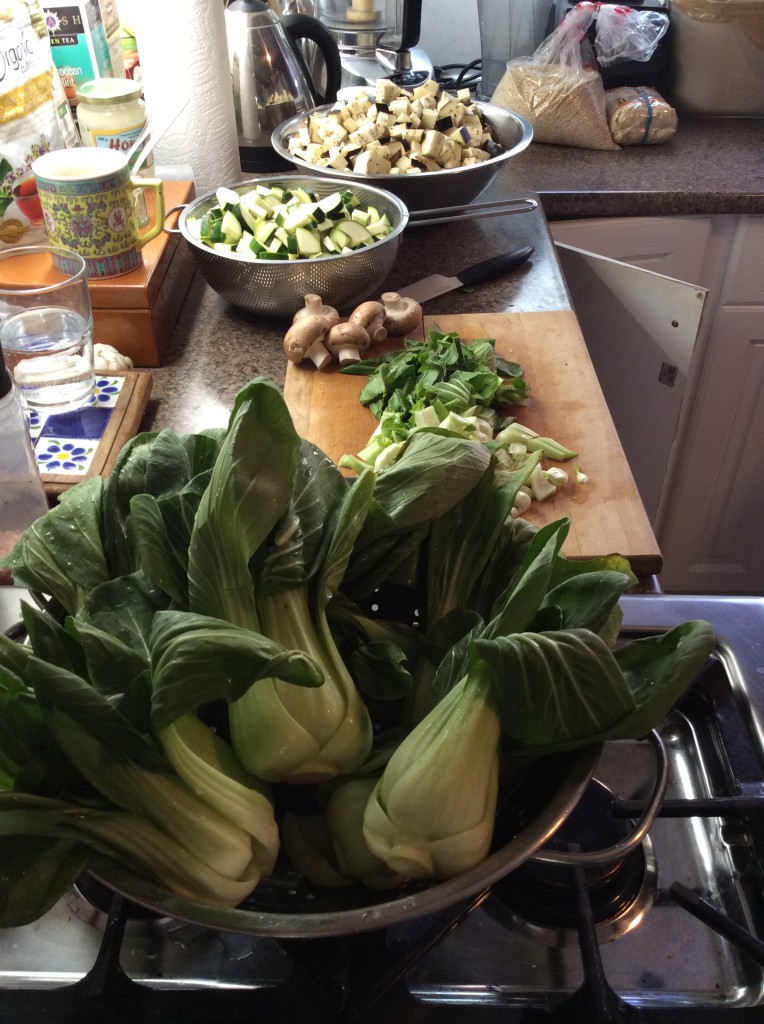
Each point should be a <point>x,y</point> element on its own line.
<point>486,270</point>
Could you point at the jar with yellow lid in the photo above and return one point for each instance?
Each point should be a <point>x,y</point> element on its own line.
<point>111,114</point>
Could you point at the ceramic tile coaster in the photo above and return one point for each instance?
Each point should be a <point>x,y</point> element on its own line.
<point>66,443</point>
<point>74,445</point>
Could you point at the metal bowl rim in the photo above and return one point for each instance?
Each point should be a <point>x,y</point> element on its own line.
<point>291,124</point>
<point>342,183</point>
<point>437,897</point>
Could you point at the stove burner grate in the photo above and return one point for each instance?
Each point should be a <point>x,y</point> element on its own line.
<point>542,893</point>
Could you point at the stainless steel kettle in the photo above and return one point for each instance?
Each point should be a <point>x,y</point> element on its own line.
<point>269,77</point>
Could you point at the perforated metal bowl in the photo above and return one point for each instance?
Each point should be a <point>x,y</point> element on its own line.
<point>457,186</point>
<point>277,287</point>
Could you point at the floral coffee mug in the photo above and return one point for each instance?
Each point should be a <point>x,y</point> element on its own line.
<point>86,195</point>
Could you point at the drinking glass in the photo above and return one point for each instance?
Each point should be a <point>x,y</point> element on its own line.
<point>46,326</point>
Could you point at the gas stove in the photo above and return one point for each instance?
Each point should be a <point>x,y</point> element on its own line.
<point>672,930</point>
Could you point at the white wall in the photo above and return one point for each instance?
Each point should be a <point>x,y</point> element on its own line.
<point>449,32</point>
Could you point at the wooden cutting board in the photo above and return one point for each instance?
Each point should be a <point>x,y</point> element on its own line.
<point>607,515</point>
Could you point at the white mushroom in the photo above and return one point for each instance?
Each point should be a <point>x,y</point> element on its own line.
<point>402,314</point>
<point>314,306</point>
<point>371,316</point>
<point>348,342</point>
<point>305,340</point>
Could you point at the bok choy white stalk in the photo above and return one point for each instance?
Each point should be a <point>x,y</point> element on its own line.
<point>431,814</point>
<point>269,547</point>
<point>128,771</point>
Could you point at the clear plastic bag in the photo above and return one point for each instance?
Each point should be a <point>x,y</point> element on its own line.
<point>624,33</point>
<point>559,89</point>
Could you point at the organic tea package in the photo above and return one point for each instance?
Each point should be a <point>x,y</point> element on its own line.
<point>559,88</point>
<point>34,118</point>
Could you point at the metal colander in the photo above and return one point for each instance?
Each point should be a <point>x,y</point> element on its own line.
<point>277,287</point>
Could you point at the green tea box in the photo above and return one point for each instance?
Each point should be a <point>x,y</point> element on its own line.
<point>79,44</point>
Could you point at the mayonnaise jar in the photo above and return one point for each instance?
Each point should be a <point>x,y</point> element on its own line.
<point>111,113</point>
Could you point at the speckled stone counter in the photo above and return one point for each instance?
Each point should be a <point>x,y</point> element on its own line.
<point>216,348</point>
<point>711,166</point>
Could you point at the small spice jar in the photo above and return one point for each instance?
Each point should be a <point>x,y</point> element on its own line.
<point>110,113</point>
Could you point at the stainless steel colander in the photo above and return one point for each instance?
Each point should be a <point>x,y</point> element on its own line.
<point>277,287</point>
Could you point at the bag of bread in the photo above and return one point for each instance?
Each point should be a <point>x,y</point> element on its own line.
<point>34,117</point>
<point>639,116</point>
<point>559,89</point>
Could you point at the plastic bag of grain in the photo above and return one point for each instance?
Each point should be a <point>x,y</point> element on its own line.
<point>559,89</point>
<point>34,118</point>
<point>639,116</point>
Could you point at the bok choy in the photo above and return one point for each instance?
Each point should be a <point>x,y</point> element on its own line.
<point>230,618</point>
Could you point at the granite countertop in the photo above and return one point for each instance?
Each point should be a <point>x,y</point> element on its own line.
<point>713,165</point>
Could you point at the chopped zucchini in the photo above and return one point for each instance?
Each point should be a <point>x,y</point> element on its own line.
<point>276,222</point>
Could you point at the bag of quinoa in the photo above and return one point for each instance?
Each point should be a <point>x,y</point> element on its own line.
<point>34,117</point>
<point>559,88</point>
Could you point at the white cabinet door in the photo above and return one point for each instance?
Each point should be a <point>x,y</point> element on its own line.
<point>712,518</point>
<point>640,329</point>
<point>673,246</point>
<point>711,482</point>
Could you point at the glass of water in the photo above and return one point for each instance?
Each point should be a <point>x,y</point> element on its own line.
<point>46,326</point>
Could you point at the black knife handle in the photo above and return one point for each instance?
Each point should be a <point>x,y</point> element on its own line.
<point>496,265</point>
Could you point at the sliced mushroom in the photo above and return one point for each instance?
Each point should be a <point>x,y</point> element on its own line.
<point>402,314</point>
<point>348,342</point>
<point>371,316</point>
<point>305,340</point>
<point>314,306</point>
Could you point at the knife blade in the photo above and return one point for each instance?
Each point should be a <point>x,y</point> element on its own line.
<point>486,270</point>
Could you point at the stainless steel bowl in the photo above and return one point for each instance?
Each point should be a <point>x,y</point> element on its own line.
<point>286,906</point>
<point>277,287</point>
<point>458,186</point>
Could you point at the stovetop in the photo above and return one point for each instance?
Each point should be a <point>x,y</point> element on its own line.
<point>497,957</point>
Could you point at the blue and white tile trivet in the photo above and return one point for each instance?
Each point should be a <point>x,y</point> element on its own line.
<point>66,443</point>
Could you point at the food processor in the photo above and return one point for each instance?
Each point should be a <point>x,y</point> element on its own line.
<point>376,38</point>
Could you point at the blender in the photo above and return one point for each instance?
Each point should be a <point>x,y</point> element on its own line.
<point>376,39</point>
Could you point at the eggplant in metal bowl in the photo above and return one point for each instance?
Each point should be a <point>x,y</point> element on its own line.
<point>430,189</point>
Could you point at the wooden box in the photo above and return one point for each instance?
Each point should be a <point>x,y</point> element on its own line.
<point>136,312</point>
